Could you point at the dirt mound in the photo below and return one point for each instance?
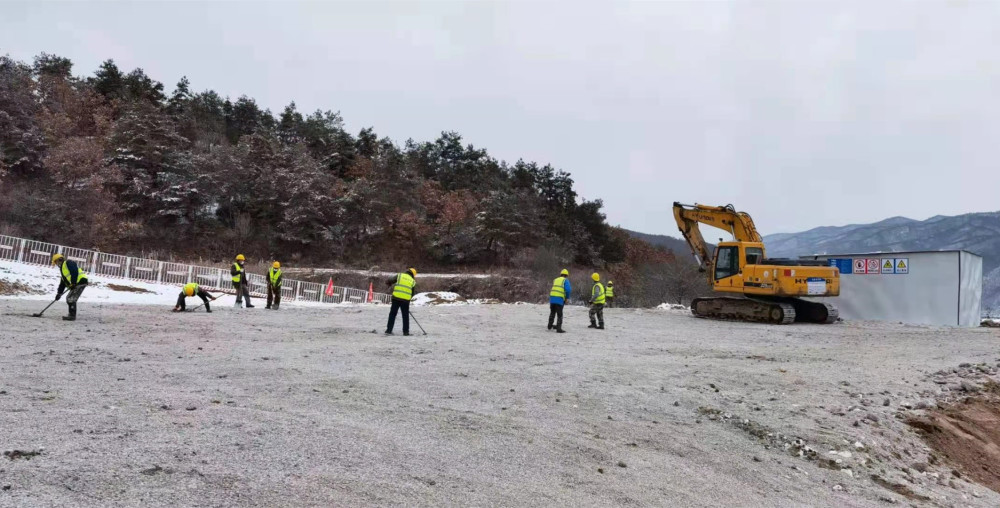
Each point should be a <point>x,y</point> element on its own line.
<point>17,288</point>
<point>966,434</point>
<point>128,289</point>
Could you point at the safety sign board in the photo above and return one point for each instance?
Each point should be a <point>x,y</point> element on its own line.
<point>888,266</point>
<point>873,265</point>
<point>902,265</point>
<point>860,266</point>
<point>842,264</point>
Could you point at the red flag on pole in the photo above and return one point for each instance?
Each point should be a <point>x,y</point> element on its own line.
<point>371,292</point>
<point>329,287</point>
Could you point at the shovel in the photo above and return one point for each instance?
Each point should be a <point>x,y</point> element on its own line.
<point>45,309</point>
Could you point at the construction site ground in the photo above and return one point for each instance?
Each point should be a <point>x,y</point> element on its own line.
<point>137,406</point>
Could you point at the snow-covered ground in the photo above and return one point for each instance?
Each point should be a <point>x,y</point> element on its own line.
<point>44,280</point>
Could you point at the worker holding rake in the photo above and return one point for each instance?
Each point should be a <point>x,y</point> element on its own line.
<point>72,278</point>
<point>192,289</point>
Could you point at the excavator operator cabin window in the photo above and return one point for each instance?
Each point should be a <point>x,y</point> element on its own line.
<point>726,262</point>
<point>754,255</point>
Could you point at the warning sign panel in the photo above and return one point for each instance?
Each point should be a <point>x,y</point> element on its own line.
<point>873,266</point>
<point>902,265</point>
<point>888,266</point>
<point>860,266</point>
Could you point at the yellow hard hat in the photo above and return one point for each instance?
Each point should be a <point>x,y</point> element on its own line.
<point>276,265</point>
<point>564,272</point>
<point>611,283</point>
<point>240,257</point>
<point>596,277</point>
<point>189,291</point>
<point>413,271</point>
<point>57,257</point>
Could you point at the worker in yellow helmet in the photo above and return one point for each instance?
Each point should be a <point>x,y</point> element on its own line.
<point>597,301</point>
<point>193,289</point>
<point>71,278</point>
<point>609,294</point>
<point>240,281</point>
<point>402,292</point>
<point>274,286</point>
<point>557,300</point>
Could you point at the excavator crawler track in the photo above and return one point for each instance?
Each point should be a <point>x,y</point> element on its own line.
<point>744,309</point>
<point>778,311</point>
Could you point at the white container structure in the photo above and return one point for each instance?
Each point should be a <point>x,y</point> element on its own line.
<point>926,287</point>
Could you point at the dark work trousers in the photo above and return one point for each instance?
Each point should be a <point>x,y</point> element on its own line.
<point>201,294</point>
<point>72,296</point>
<point>610,301</point>
<point>398,304</point>
<point>242,291</point>
<point>597,309</point>
<point>555,311</point>
<point>273,295</point>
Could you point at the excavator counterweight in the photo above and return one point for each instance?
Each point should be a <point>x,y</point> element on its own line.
<point>764,290</point>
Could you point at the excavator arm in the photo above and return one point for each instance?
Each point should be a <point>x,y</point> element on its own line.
<point>726,218</point>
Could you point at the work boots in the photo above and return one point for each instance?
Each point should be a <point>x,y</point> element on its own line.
<point>560,330</point>
<point>72,313</point>
<point>208,308</point>
<point>592,325</point>
<point>600,326</point>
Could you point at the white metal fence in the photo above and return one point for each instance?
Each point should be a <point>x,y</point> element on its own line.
<point>34,252</point>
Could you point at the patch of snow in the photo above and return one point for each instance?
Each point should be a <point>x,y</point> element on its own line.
<point>672,306</point>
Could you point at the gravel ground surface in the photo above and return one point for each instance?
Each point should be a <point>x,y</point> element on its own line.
<point>137,406</point>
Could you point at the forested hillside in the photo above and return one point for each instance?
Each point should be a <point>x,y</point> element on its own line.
<point>114,161</point>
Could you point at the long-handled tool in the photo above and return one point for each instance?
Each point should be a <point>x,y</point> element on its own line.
<point>200,305</point>
<point>45,309</point>
<point>417,322</point>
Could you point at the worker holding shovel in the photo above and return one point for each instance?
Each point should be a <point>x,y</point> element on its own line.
<point>192,289</point>
<point>71,278</point>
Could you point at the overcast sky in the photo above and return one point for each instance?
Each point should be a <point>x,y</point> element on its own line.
<point>802,113</point>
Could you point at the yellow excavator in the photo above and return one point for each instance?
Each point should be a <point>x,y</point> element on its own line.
<point>770,289</point>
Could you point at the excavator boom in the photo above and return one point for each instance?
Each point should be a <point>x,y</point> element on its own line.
<point>769,289</point>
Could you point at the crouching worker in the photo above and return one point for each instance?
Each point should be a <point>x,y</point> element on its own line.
<point>71,278</point>
<point>192,289</point>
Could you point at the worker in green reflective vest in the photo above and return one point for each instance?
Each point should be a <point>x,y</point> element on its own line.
<point>402,292</point>
<point>557,300</point>
<point>597,301</point>
<point>274,286</point>
<point>609,294</point>
<point>240,281</point>
<point>193,289</point>
<point>71,278</point>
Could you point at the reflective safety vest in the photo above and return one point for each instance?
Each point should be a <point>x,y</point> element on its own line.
<point>610,293</point>
<point>275,276</point>
<point>193,286</point>
<point>559,288</point>
<point>404,287</point>
<point>239,272</point>
<point>597,294</point>
<point>68,277</point>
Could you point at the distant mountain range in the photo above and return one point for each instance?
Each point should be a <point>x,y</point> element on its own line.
<point>975,232</point>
